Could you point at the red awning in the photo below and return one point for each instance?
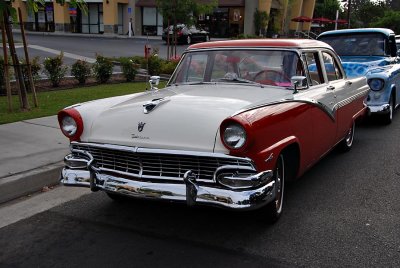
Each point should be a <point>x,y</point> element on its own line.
<point>221,3</point>
<point>301,19</point>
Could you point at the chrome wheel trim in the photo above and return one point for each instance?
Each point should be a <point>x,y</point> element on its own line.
<point>279,184</point>
<point>188,40</point>
<point>350,136</point>
<point>391,109</point>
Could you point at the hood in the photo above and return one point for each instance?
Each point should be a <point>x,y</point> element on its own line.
<point>355,66</point>
<point>185,117</point>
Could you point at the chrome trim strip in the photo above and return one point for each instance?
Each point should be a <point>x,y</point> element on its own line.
<point>135,149</point>
<point>313,102</point>
<point>384,108</point>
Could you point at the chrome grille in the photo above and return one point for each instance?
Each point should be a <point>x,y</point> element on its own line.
<point>157,164</point>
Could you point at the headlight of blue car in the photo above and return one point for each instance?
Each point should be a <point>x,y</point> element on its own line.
<point>376,84</point>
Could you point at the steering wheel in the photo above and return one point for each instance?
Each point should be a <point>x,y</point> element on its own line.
<point>271,77</point>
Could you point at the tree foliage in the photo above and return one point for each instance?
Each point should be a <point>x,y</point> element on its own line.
<point>365,12</point>
<point>260,21</point>
<point>184,11</point>
<point>391,20</point>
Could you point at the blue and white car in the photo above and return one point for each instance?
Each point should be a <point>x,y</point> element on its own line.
<point>371,52</point>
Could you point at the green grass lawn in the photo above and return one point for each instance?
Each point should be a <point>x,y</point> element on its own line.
<point>53,101</point>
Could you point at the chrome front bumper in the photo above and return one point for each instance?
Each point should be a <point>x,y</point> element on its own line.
<point>378,109</point>
<point>188,190</point>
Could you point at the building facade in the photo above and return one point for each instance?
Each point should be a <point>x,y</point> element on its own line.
<point>229,19</point>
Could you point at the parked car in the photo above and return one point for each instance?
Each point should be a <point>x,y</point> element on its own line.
<point>371,52</point>
<point>186,34</point>
<point>236,120</point>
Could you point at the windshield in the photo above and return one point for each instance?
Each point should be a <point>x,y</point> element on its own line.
<point>364,44</point>
<point>265,67</point>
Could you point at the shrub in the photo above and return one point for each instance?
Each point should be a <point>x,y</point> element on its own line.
<point>35,69</point>
<point>154,64</point>
<point>81,71</point>
<point>129,69</point>
<point>102,69</point>
<point>54,69</point>
<point>168,67</point>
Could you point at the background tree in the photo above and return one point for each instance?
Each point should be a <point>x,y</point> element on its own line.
<point>260,21</point>
<point>327,9</point>
<point>391,20</point>
<point>8,14</point>
<point>183,11</point>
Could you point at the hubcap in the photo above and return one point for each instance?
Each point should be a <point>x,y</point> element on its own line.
<point>279,184</point>
<point>349,136</point>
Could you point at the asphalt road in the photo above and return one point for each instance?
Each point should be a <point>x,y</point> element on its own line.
<point>344,212</point>
<point>90,46</point>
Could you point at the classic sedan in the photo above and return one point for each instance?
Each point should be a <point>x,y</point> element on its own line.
<point>235,122</point>
<point>186,34</point>
<point>371,52</point>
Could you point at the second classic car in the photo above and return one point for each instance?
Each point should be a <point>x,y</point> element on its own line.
<point>235,122</point>
<point>186,34</point>
<point>371,52</point>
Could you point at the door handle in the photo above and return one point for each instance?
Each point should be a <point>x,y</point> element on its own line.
<point>349,83</point>
<point>330,88</point>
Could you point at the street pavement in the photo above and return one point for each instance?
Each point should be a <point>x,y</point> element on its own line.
<point>31,156</point>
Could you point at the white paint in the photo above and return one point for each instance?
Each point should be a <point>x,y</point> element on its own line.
<point>66,54</point>
<point>15,211</point>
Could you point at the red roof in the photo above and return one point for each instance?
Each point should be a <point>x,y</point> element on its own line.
<point>283,43</point>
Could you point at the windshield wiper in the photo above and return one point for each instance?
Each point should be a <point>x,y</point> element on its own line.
<point>241,80</point>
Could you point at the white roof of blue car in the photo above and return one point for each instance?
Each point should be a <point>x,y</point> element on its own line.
<point>360,30</point>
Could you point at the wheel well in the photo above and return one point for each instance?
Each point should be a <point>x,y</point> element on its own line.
<point>291,155</point>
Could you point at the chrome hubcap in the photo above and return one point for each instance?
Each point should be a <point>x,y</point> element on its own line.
<point>279,184</point>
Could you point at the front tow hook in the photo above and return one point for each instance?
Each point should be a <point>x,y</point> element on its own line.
<point>191,187</point>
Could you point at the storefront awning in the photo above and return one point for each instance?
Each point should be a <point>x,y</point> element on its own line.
<point>221,3</point>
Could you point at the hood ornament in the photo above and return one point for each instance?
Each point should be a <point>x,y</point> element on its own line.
<point>140,126</point>
<point>151,105</point>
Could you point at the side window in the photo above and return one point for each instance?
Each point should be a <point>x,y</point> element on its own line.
<point>331,67</point>
<point>313,68</point>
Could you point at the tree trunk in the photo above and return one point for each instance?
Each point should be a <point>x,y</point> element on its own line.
<point>17,67</point>
<point>6,74</point>
<point>28,64</point>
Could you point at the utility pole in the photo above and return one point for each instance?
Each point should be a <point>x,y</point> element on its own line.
<point>348,13</point>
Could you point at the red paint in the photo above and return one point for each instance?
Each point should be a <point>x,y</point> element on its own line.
<point>78,119</point>
<point>272,128</point>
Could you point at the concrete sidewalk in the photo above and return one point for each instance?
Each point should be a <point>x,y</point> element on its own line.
<point>32,153</point>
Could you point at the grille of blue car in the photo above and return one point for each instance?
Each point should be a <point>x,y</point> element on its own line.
<point>150,165</point>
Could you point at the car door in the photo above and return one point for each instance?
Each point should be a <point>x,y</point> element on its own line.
<point>322,94</point>
<point>343,90</point>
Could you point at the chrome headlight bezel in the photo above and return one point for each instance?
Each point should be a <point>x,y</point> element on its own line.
<point>376,84</point>
<point>69,126</point>
<point>234,136</point>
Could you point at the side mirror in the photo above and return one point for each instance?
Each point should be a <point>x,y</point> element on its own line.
<point>298,82</point>
<point>154,81</point>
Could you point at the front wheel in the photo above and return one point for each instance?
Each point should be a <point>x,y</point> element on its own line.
<point>387,118</point>
<point>188,40</point>
<point>274,209</point>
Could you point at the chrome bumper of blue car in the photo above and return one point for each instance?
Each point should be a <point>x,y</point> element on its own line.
<point>188,190</point>
<point>378,109</point>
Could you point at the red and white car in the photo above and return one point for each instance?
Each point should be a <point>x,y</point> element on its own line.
<point>235,122</point>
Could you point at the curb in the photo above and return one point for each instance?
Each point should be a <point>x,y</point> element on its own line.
<point>29,182</point>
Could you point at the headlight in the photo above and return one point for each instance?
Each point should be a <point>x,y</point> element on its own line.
<point>376,84</point>
<point>69,126</point>
<point>234,136</point>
